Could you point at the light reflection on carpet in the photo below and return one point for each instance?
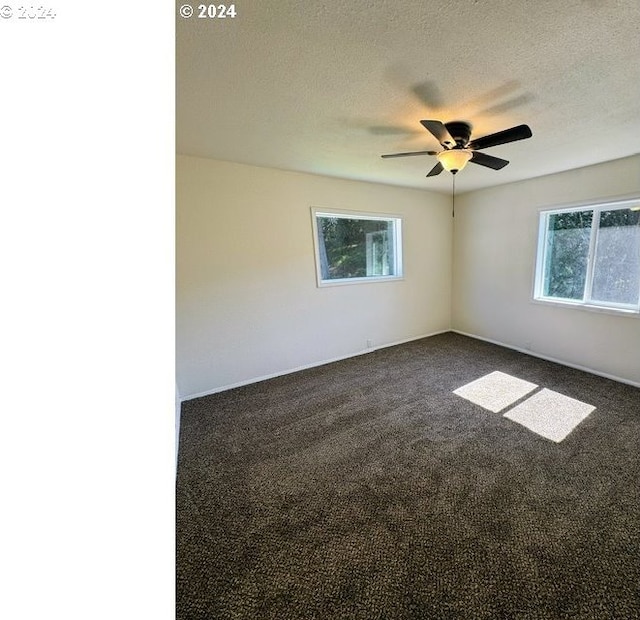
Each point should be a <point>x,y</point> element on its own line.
<point>495,391</point>
<point>549,414</point>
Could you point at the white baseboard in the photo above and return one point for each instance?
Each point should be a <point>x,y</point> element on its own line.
<point>289,371</point>
<point>550,359</point>
<point>178,405</point>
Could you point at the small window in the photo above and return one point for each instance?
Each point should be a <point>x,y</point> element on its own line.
<point>355,247</point>
<point>590,256</point>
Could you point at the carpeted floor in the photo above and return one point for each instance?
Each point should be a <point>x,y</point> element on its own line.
<point>367,489</point>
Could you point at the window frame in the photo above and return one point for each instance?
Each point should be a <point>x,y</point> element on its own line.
<point>398,249</point>
<point>586,302</point>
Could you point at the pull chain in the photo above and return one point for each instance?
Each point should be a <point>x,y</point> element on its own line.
<point>453,197</point>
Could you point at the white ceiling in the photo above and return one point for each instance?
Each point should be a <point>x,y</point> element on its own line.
<point>327,86</point>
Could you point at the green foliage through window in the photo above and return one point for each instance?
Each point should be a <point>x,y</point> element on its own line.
<point>567,252</point>
<point>591,256</point>
<point>351,247</point>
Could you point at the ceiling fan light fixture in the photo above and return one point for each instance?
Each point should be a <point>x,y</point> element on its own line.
<point>454,160</point>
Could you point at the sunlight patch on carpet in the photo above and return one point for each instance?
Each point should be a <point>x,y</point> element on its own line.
<point>495,391</point>
<point>550,414</point>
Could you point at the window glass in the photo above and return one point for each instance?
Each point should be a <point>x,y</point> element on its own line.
<point>354,248</point>
<point>591,256</point>
<point>616,275</point>
<point>567,253</point>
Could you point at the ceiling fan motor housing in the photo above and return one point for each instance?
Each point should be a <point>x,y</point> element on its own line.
<point>460,131</point>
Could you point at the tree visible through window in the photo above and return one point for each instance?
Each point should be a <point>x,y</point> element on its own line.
<point>567,251</point>
<point>351,247</point>
<point>591,256</point>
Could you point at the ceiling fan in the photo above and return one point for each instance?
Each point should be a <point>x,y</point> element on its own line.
<point>455,136</point>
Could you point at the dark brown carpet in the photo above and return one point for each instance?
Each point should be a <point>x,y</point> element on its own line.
<point>365,489</point>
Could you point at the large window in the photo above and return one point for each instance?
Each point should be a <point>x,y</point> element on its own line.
<point>590,256</point>
<point>356,247</point>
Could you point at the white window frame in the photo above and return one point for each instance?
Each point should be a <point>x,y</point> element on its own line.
<point>586,302</point>
<point>358,215</point>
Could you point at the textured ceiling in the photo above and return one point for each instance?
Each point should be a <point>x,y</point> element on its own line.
<point>327,86</point>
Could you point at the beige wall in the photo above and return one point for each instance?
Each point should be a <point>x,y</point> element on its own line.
<point>248,306</point>
<point>495,237</point>
<point>247,301</point>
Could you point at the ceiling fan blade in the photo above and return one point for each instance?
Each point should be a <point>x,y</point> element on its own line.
<point>437,169</point>
<point>408,154</point>
<point>520,132</point>
<point>488,160</point>
<point>440,132</point>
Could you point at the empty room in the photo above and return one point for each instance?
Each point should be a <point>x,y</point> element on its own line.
<point>408,310</point>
